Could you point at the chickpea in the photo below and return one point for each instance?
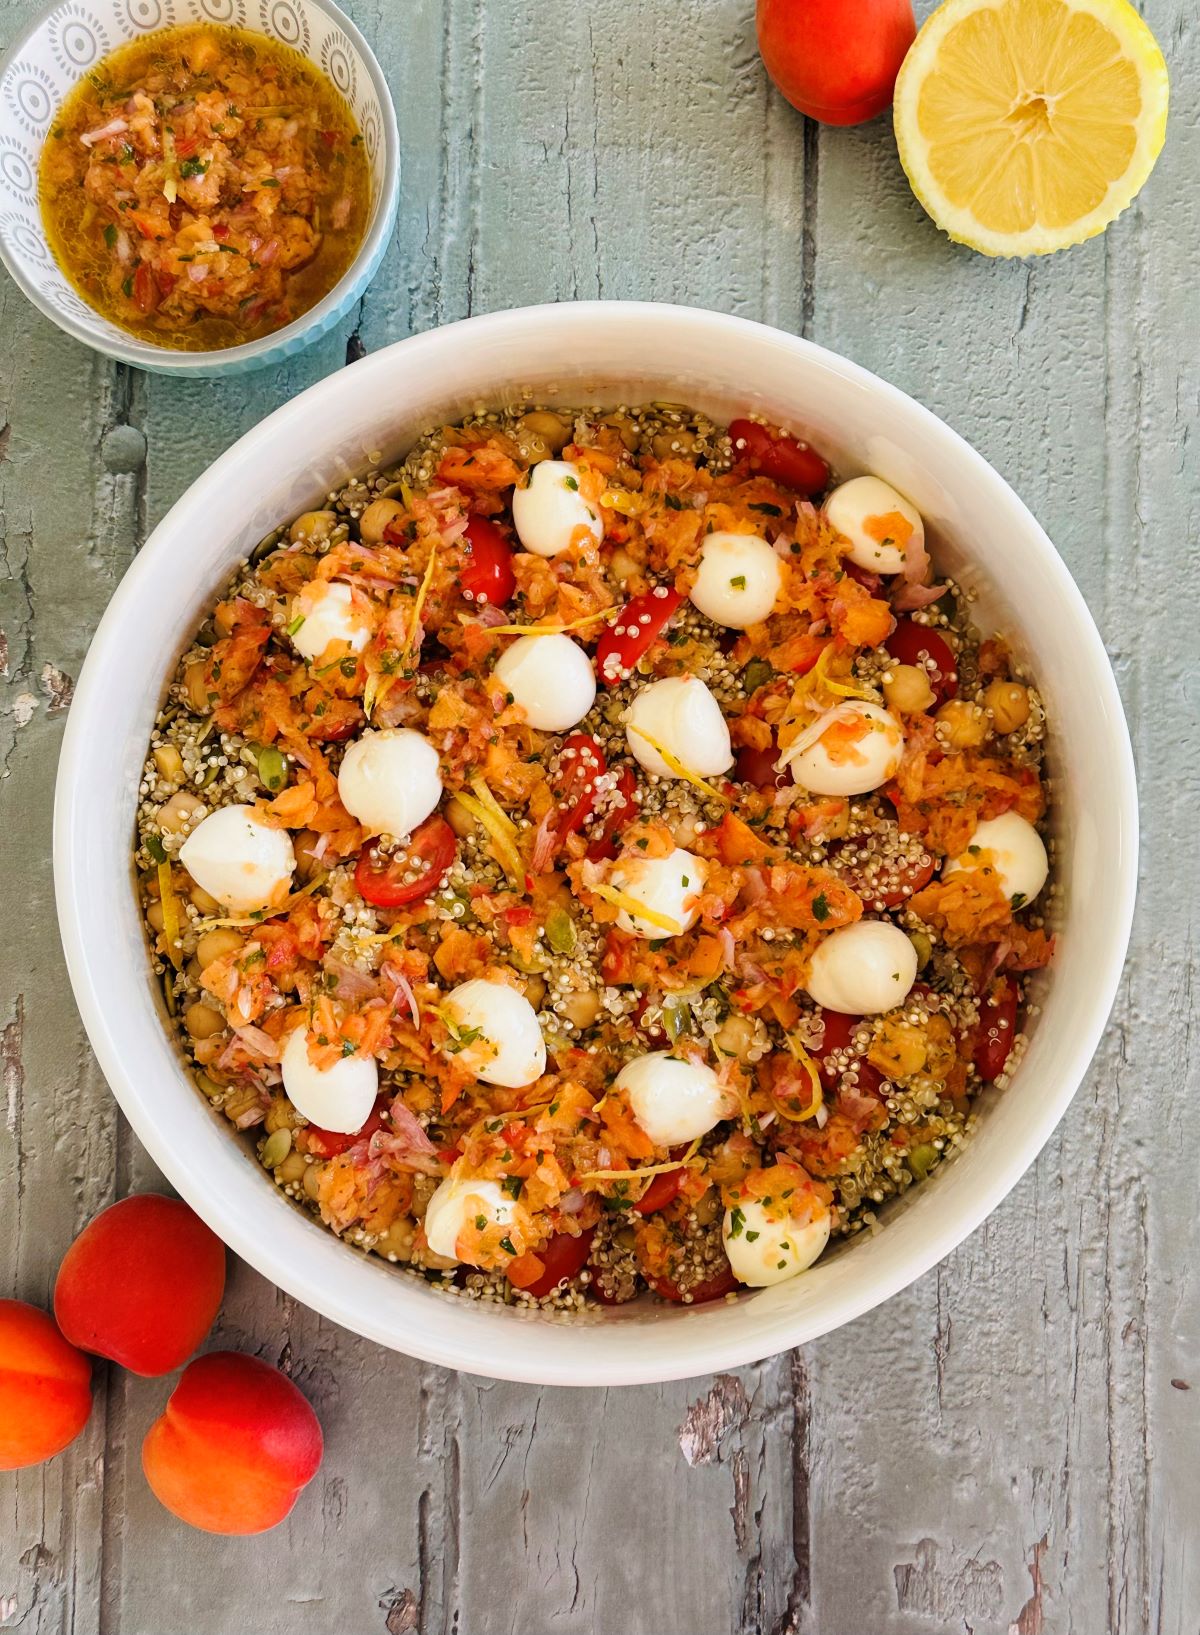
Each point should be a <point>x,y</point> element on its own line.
<point>898,1049</point>
<point>204,900</point>
<point>169,762</point>
<point>292,1169</point>
<point>625,429</point>
<point>154,917</point>
<point>684,830</point>
<point>195,687</point>
<point>376,518</point>
<point>202,1021</point>
<point>281,1115</point>
<point>675,444</point>
<point>303,844</point>
<point>535,989</point>
<point>223,618</point>
<point>439,1263</point>
<point>460,820</point>
<point>397,1239</point>
<point>312,1180</point>
<point>1009,703</point>
<point>940,1051</point>
<point>907,690</point>
<point>214,945</point>
<point>834,823</point>
<point>551,429</point>
<point>313,525</point>
<point>961,724</point>
<point>182,811</point>
<point>622,566</point>
<point>582,1008</point>
<point>532,449</point>
<point>737,1036</point>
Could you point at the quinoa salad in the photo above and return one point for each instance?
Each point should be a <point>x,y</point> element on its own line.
<point>596,856</point>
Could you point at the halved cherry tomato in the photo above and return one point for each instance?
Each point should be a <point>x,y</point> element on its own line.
<point>783,459</point>
<point>488,576</point>
<point>757,766</point>
<point>996,1030</point>
<point>664,1189</point>
<point>604,845</point>
<point>839,1030</point>
<point>909,878</point>
<point>581,765</point>
<point>909,640</point>
<point>563,1256</point>
<point>639,624</point>
<point>380,877</point>
<point>331,1143</point>
<point>722,1282</point>
<point>146,294</point>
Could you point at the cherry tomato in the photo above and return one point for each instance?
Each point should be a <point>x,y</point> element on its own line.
<point>783,459</point>
<point>639,624</point>
<point>488,576</point>
<point>835,60</point>
<point>331,1143</point>
<point>909,640</point>
<point>908,878</point>
<point>839,1029</point>
<point>757,766</point>
<point>563,1256</point>
<point>604,845</point>
<point>146,294</point>
<point>664,1189</point>
<point>996,1031</point>
<point>722,1282</point>
<point>581,765</point>
<point>379,877</point>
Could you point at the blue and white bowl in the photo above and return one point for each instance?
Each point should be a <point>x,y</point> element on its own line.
<point>48,62</point>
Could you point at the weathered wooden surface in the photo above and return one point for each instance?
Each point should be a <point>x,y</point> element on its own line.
<point>1008,1446</point>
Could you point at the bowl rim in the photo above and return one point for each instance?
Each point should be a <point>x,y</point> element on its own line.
<point>700,1353</point>
<point>165,360</point>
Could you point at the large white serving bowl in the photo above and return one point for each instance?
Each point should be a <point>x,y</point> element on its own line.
<point>609,353</point>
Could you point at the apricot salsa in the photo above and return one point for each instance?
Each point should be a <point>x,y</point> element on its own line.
<point>204,186</point>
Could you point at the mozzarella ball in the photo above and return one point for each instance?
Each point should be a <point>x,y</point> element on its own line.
<point>668,886</point>
<point>551,678</point>
<point>672,1101</point>
<point>509,1049</point>
<point>336,1098</point>
<point>1013,848</point>
<point>738,580</point>
<point>327,611</point>
<point>239,859</point>
<point>683,716</point>
<point>766,1244</point>
<point>860,747</point>
<point>457,1201</point>
<point>390,781</point>
<point>862,969</point>
<point>864,512</point>
<point>550,509</point>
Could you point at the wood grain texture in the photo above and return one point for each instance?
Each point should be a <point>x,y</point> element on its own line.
<point>1010,1445</point>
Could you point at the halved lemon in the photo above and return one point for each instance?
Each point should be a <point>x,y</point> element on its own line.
<point>1025,126</point>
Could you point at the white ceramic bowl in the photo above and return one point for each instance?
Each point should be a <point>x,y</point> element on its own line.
<point>48,61</point>
<point>611,353</point>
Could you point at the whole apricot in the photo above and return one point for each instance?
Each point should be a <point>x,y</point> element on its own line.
<point>234,1446</point>
<point>141,1284</point>
<point>45,1387</point>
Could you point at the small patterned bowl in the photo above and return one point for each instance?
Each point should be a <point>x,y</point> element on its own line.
<point>49,61</point>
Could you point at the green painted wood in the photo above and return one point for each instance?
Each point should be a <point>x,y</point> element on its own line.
<point>1007,1446</point>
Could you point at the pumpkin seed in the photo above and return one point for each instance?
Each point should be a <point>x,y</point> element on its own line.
<point>756,674</point>
<point>560,931</point>
<point>272,768</point>
<point>210,1087</point>
<point>275,1149</point>
<point>922,1158</point>
<point>923,946</point>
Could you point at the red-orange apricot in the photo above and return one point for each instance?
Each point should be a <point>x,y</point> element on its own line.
<point>234,1446</point>
<point>141,1284</point>
<point>45,1387</point>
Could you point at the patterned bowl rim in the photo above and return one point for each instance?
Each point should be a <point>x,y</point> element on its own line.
<point>318,318</point>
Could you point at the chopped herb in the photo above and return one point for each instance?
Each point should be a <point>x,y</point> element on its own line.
<point>570,482</point>
<point>738,581</point>
<point>127,288</point>
<point>156,849</point>
<point>270,181</point>
<point>753,1237</point>
<point>513,1185</point>
<point>768,510</point>
<point>820,907</point>
<point>295,624</point>
<point>348,1047</point>
<point>507,1245</point>
<point>673,501</point>
<point>737,1222</point>
<point>480,1222</point>
<point>193,167</point>
<point>110,235</point>
<point>1019,900</point>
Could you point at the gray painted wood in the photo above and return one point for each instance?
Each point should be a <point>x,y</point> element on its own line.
<point>1009,1446</point>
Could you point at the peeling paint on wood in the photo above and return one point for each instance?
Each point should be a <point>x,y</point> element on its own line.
<point>1008,1448</point>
